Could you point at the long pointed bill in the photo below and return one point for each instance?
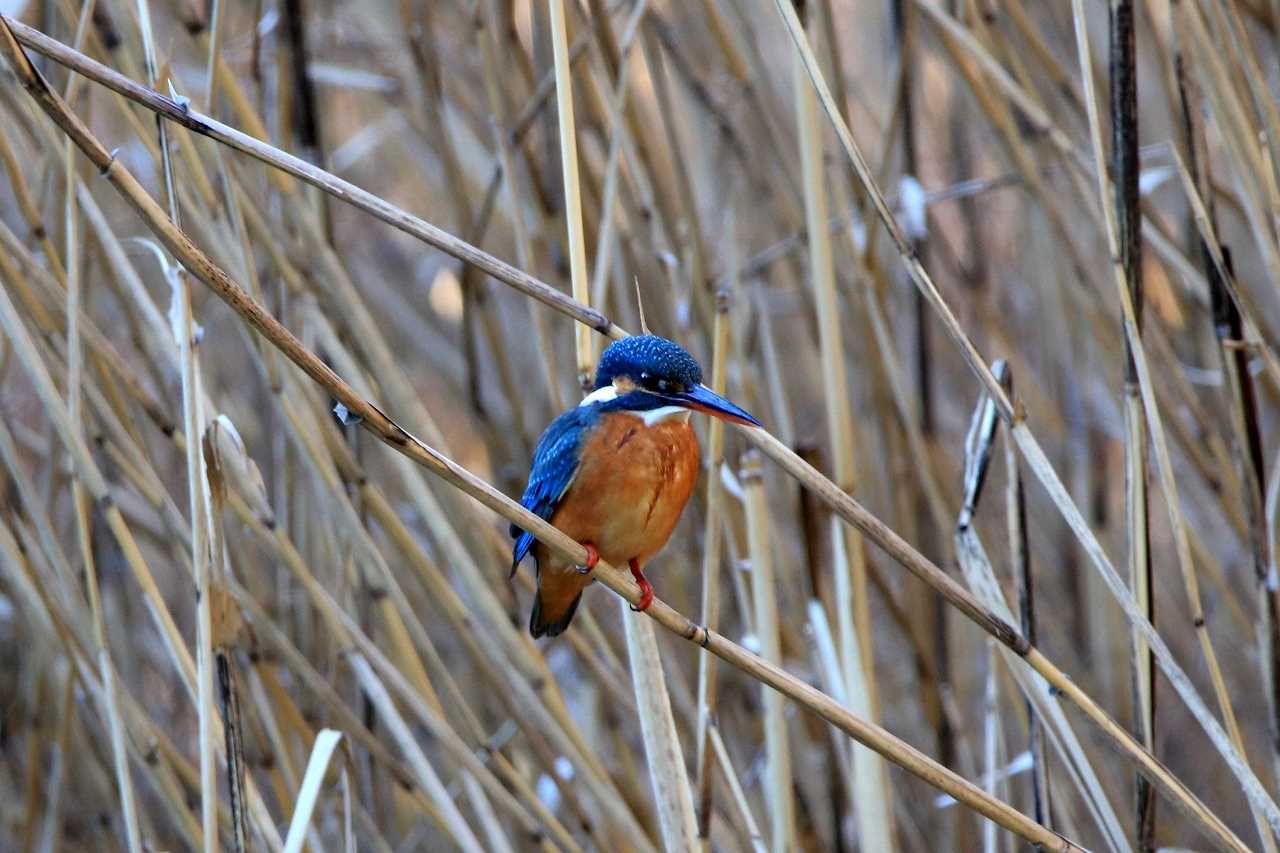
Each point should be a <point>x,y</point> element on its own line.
<point>700,398</point>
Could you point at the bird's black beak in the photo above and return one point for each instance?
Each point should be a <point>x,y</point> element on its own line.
<point>700,398</point>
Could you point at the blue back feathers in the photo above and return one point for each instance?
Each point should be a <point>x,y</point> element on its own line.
<point>555,461</point>
<point>644,359</point>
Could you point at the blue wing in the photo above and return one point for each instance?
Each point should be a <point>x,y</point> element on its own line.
<point>555,462</point>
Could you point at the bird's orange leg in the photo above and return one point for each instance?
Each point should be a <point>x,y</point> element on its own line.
<point>646,588</point>
<point>593,557</point>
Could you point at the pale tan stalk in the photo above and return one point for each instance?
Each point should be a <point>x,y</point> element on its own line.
<point>764,595</point>
<point>712,555</point>
<point>81,509</point>
<point>870,796</point>
<point>667,774</point>
<point>572,197</point>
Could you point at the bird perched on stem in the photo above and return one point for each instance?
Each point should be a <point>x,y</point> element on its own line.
<point>615,472</point>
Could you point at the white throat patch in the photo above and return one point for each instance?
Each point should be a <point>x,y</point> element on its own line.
<point>653,417</point>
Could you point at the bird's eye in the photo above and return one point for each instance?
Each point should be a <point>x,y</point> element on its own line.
<point>663,386</point>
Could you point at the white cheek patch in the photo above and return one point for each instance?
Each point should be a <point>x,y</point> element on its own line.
<point>600,395</point>
<point>653,417</point>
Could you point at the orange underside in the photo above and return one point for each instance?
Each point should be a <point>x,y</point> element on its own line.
<point>628,494</point>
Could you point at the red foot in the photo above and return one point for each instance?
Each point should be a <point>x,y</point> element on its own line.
<point>593,557</point>
<point>646,588</point>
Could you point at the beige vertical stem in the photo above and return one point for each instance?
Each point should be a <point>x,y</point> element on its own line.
<point>667,773</point>
<point>764,596</point>
<point>572,199</point>
<point>712,550</point>
<point>870,795</point>
<point>81,501</point>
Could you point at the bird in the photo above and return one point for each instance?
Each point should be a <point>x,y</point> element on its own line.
<point>615,472</point>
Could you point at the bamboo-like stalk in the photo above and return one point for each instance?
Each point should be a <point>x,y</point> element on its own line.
<point>670,781</point>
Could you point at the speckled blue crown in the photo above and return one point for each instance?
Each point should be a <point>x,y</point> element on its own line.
<point>647,354</point>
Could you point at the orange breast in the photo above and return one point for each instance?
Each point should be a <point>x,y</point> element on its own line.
<point>633,483</point>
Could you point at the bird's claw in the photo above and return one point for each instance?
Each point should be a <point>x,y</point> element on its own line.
<point>646,589</point>
<point>593,557</point>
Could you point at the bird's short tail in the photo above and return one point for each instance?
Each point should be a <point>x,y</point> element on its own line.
<point>555,602</point>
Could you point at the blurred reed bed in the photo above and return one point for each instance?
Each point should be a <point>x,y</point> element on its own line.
<point>233,619</point>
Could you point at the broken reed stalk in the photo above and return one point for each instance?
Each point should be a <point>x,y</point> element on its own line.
<point>1024,581</point>
<point>373,419</point>
<point>844,505</point>
<point>1125,168</point>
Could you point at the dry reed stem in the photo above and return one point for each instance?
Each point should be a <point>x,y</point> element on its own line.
<point>764,594</point>
<point>712,557</point>
<point>667,774</point>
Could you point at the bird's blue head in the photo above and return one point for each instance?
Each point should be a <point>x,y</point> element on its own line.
<point>649,362</point>
<point>650,370</point>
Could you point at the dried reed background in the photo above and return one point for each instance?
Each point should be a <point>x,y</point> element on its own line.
<point>284,634</point>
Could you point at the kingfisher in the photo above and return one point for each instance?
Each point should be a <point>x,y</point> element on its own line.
<point>615,472</point>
